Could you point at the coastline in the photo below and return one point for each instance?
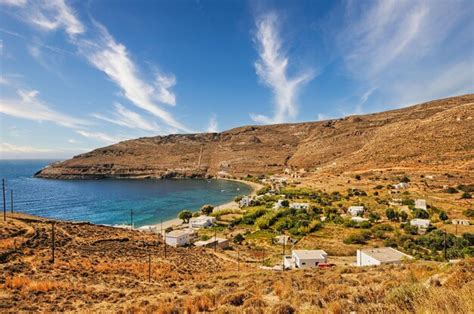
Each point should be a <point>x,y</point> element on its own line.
<point>176,222</point>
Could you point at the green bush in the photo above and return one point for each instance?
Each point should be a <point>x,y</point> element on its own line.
<point>185,215</point>
<point>443,216</point>
<point>451,190</point>
<point>239,238</point>
<point>391,214</point>
<point>250,217</point>
<point>466,195</point>
<point>469,213</point>
<point>360,238</point>
<point>207,209</point>
<point>421,213</point>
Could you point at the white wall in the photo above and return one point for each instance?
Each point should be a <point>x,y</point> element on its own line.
<point>365,260</point>
<point>177,241</point>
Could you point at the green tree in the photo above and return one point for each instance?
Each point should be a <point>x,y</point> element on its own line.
<point>374,217</point>
<point>285,203</point>
<point>421,213</point>
<point>451,190</point>
<point>466,195</point>
<point>239,238</point>
<point>442,215</point>
<point>207,209</point>
<point>185,215</point>
<point>391,214</point>
<point>403,216</point>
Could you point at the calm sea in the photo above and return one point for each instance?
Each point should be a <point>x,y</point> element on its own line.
<point>109,201</point>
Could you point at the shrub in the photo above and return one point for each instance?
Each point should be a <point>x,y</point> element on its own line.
<point>374,217</point>
<point>382,227</point>
<point>403,216</point>
<point>359,238</point>
<point>379,187</point>
<point>442,216</point>
<point>237,199</point>
<point>250,217</point>
<point>466,188</point>
<point>451,190</point>
<point>263,190</point>
<point>469,237</point>
<point>239,238</point>
<point>285,203</point>
<point>405,179</point>
<point>391,214</point>
<point>421,213</point>
<point>357,177</point>
<point>365,225</point>
<point>408,202</point>
<point>466,195</point>
<point>469,213</point>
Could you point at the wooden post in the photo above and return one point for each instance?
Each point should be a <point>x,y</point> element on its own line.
<point>165,249</point>
<point>4,202</point>
<point>445,253</point>
<point>215,240</point>
<point>283,258</point>
<point>149,265</point>
<point>238,259</point>
<point>53,244</point>
<point>11,201</point>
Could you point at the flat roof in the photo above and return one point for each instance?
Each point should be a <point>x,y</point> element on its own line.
<point>309,254</point>
<point>386,254</point>
<point>178,233</point>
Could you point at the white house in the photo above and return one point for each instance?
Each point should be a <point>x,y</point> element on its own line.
<point>420,223</point>
<point>179,237</point>
<point>246,201</point>
<point>401,185</point>
<point>359,219</point>
<point>460,222</point>
<point>420,204</point>
<point>299,206</point>
<point>283,239</point>
<point>356,210</point>
<point>201,221</point>
<point>212,242</point>
<point>378,256</point>
<point>305,259</point>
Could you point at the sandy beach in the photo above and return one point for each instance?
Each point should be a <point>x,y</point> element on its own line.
<point>176,222</point>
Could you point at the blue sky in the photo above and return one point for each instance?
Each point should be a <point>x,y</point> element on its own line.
<point>76,75</point>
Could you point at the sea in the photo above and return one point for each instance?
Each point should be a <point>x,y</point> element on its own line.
<point>110,201</point>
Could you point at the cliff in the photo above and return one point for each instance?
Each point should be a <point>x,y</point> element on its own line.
<point>437,134</point>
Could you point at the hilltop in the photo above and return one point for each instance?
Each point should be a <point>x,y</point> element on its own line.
<point>435,135</point>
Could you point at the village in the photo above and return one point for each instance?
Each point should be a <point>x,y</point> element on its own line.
<point>280,227</point>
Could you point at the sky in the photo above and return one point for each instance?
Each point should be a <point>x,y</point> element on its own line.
<point>77,75</point>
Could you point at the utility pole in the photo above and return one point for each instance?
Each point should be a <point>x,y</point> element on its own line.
<point>215,240</point>
<point>161,232</point>
<point>238,259</point>
<point>53,244</point>
<point>445,254</point>
<point>149,265</point>
<point>165,249</point>
<point>131,219</point>
<point>283,259</point>
<point>11,201</point>
<point>4,202</point>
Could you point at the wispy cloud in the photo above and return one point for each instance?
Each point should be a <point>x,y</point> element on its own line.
<point>213,125</point>
<point>14,3</point>
<point>127,118</point>
<point>101,49</point>
<point>101,137</point>
<point>14,151</point>
<point>12,148</point>
<point>272,69</point>
<point>28,106</point>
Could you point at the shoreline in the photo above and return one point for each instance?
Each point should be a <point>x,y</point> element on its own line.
<point>176,222</point>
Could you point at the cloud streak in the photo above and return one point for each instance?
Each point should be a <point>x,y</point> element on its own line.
<point>28,106</point>
<point>101,137</point>
<point>272,69</point>
<point>213,126</point>
<point>127,118</point>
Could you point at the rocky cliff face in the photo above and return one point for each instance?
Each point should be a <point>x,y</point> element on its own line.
<point>437,134</point>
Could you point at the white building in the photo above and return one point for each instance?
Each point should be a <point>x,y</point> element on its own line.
<point>378,256</point>
<point>201,221</point>
<point>420,204</point>
<point>356,210</point>
<point>401,185</point>
<point>246,201</point>
<point>179,237</point>
<point>299,206</point>
<point>212,242</point>
<point>359,219</point>
<point>420,223</point>
<point>283,239</point>
<point>305,259</point>
<point>460,222</point>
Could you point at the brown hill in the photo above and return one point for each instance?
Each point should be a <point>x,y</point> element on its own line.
<point>434,135</point>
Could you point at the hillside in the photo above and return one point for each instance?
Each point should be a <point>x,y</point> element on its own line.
<point>433,135</point>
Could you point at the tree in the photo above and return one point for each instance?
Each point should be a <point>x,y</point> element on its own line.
<point>207,209</point>
<point>451,190</point>
<point>466,195</point>
<point>391,214</point>
<point>374,217</point>
<point>421,213</point>
<point>443,216</point>
<point>403,216</point>
<point>285,203</point>
<point>185,215</point>
<point>239,238</point>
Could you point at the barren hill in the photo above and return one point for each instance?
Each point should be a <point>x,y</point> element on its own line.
<point>434,135</point>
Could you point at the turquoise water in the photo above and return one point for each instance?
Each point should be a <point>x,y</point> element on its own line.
<point>110,201</point>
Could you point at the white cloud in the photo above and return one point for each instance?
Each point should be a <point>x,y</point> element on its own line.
<point>72,141</point>
<point>54,14</point>
<point>113,59</point>
<point>15,3</point>
<point>272,68</point>
<point>28,106</point>
<point>127,118</point>
<point>12,148</point>
<point>102,137</point>
<point>213,126</point>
